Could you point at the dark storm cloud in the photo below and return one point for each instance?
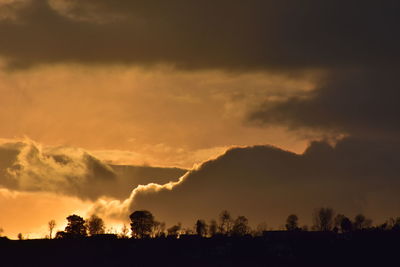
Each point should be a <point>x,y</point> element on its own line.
<point>364,102</point>
<point>355,43</point>
<point>255,34</point>
<point>266,184</point>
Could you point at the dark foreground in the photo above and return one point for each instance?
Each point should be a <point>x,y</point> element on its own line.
<point>273,249</point>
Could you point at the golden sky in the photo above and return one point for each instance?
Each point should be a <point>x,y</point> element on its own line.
<point>156,116</point>
<point>213,87</point>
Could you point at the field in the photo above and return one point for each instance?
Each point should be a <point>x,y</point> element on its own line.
<point>365,248</point>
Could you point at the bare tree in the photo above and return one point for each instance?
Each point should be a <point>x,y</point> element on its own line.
<point>201,228</point>
<point>393,224</point>
<point>124,232</point>
<point>158,229</point>
<point>51,224</point>
<point>361,222</point>
<point>213,228</point>
<point>323,219</point>
<point>260,229</point>
<point>95,225</point>
<point>240,226</point>
<point>225,223</point>
<point>292,222</point>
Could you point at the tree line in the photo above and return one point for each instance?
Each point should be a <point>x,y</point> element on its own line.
<point>144,225</point>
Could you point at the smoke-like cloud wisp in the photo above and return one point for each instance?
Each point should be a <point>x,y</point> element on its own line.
<point>28,166</point>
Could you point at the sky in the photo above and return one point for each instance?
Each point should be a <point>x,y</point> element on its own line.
<point>185,108</point>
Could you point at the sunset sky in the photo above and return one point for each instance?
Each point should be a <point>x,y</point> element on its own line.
<point>261,107</point>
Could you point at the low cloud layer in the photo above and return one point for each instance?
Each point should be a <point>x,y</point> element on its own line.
<point>266,184</point>
<point>208,34</point>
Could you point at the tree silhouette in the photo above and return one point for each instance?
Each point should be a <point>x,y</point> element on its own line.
<point>201,228</point>
<point>158,229</point>
<point>76,226</point>
<point>390,224</point>
<point>343,224</point>
<point>51,225</point>
<point>346,225</point>
<point>174,231</point>
<point>213,228</point>
<point>361,222</point>
<point>142,223</point>
<point>292,223</point>
<point>394,224</point>
<point>95,225</point>
<point>304,228</point>
<point>20,237</point>
<point>225,223</point>
<point>261,228</point>
<point>124,232</point>
<point>1,231</point>
<point>240,226</point>
<point>323,219</point>
<point>111,231</point>
<point>338,220</point>
<point>187,231</point>
<point>60,235</point>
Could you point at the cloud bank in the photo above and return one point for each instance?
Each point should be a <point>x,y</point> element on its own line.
<point>219,34</point>
<point>267,184</point>
<point>264,183</point>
